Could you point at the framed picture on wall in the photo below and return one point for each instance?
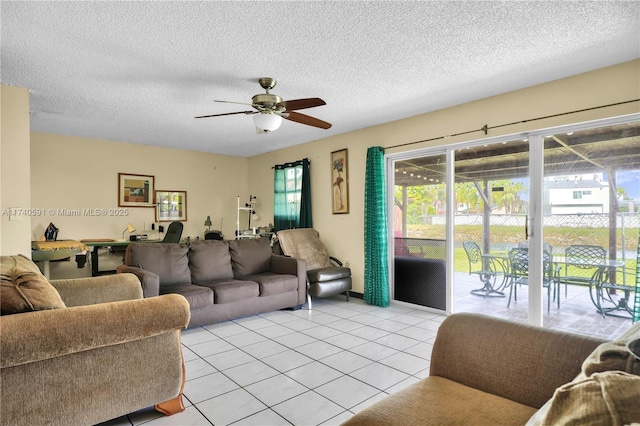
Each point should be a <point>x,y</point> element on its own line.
<point>135,190</point>
<point>339,182</point>
<point>171,206</point>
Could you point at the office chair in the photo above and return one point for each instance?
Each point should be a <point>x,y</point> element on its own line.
<point>174,232</point>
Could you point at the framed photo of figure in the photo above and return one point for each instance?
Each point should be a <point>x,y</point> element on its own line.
<point>340,182</point>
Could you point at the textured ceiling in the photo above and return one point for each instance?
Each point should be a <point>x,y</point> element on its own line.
<point>141,71</point>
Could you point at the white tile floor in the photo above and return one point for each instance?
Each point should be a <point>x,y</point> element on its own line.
<point>321,366</point>
<point>299,367</point>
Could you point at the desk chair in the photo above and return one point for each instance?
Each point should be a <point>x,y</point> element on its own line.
<point>174,233</point>
<point>325,274</point>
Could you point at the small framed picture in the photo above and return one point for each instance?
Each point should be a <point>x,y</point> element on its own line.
<point>135,190</point>
<point>339,182</point>
<point>171,206</point>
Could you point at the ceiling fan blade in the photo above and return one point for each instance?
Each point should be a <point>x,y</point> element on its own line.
<point>306,119</point>
<point>227,113</point>
<point>232,102</point>
<point>301,103</point>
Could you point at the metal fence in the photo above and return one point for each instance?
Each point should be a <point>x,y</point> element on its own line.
<point>591,220</point>
<point>420,247</point>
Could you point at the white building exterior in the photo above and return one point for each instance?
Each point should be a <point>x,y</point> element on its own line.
<point>576,194</point>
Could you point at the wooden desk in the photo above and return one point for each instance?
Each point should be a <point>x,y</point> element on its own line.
<point>106,242</point>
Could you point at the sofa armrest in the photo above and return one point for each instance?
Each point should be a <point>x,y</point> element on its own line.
<point>104,289</point>
<point>292,266</point>
<point>149,281</point>
<point>35,336</point>
<point>516,361</point>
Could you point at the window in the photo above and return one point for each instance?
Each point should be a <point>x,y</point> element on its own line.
<point>292,196</point>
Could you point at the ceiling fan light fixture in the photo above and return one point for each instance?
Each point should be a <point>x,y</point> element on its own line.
<point>267,121</point>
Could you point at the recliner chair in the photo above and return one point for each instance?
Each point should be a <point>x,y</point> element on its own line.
<point>325,274</point>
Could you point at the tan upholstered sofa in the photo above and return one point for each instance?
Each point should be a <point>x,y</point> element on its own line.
<point>84,351</point>
<point>487,371</point>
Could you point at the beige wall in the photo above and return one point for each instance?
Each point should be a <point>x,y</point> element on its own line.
<point>344,234</point>
<point>76,173</point>
<point>14,159</point>
<point>72,173</point>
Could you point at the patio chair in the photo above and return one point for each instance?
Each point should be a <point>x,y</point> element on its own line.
<point>485,268</point>
<point>519,274</point>
<point>326,275</point>
<point>581,264</point>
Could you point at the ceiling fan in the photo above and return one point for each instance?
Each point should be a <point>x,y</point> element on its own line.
<point>270,109</point>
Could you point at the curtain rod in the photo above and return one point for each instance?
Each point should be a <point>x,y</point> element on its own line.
<point>486,127</point>
<point>293,163</point>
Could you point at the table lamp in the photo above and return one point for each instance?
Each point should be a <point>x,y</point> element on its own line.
<point>208,222</point>
<point>129,229</point>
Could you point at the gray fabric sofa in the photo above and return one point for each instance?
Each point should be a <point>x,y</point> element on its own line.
<point>221,280</point>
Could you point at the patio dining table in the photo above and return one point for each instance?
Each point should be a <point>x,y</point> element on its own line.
<point>603,285</point>
<point>601,289</point>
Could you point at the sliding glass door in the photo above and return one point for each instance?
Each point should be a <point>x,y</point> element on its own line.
<point>540,227</point>
<point>491,194</point>
<point>591,205</point>
<point>419,227</point>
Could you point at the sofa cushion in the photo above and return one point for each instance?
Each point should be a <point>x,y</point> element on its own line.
<point>167,260</point>
<point>24,289</point>
<point>437,401</point>
<point>606,398</point>
<point>197,296</point>
<point>209,260</point>
<point>271,283</point>
<point>227,291</point>
<point>250,256</point>
<point>328,274</point>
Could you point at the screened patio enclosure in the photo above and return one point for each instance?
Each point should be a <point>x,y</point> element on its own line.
<point>589,195</point>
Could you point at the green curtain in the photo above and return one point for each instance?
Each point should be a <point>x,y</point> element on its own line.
<point>306,219</point>
<point>292,195</point>
<point>636,305</point>
<point>376,269</point>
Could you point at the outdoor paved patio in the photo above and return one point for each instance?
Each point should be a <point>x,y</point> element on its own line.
<point>577,312</point>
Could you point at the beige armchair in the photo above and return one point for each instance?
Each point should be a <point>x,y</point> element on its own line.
<point>104,353</point>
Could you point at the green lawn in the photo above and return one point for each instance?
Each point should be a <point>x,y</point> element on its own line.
<point>556,236</point>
